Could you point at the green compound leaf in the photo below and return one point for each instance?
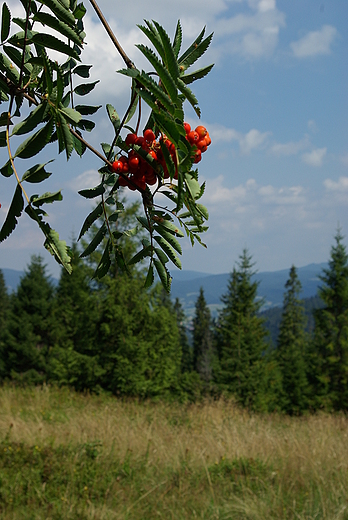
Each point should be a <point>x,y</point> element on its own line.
<point>95,242</point>
<point>195,51</point>
<point>31,122</point>
<point>170,58</point>
<point>161,255</point>
<point>113,116</point>
<point>46,198</point>
<point>163,274</point>
<point>34,144</point>
<point>85,88</point>
<point>36,173</point>
<point>154,38</point>
<point>143,253</point>
<point>91,218</point>
<point>56,247</point>
<point>170,227</point>
<point>168,250</point>
<point>14,211</point>
<point>61,27</point>
<point>159,93</point>
<point>5,22</point>
<point>92,192</point>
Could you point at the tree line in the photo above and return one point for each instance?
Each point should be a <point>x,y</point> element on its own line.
<point>112,335</point>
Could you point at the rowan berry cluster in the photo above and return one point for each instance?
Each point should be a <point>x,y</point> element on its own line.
<point>138,172</point>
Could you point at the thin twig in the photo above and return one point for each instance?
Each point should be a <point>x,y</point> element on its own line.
<point>114,40</point>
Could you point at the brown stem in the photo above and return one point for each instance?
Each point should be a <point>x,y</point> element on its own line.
<point>114,40</point>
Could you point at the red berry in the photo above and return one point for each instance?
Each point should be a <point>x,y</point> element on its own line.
<point>117,166</point>
<point>130,139</point>
<point>149,136</point>
<point>198,156</point>
<point>153,155</point>
<point>193,137</point>
<point>202,145</point>
<point>187,128</point>
<point>139,141</point>
<point>207,138</point>
<point>201,131</point>
<point>133,162</point>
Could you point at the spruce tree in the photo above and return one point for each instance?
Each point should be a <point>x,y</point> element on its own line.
<point>30,325</point>
<point>74,356</point>
<point>202,339</point>
<point>331,329</point>
<point>241,339</point>
<point>186,361</point>
<point>291,349</point>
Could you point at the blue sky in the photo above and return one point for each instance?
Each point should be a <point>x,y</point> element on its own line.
<point>275,105</point>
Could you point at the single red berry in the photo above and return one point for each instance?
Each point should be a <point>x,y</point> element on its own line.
<point>117,166</point>
<point>201,131</point>
<point>139,140</point>
<point>193,137</point>
<point>133,162</point>
<point>207,138</point>
<point>202,145</point>
<point>153,155</point>
<point>187,128</point>
<point>198,156</point>
<point>130,139</point>
<point>149,136</point>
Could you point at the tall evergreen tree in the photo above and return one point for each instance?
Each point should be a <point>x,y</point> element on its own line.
<point>241,338</point>
<point>186,361</point>
<point>331,329</point>
<point>291,350</point>
<point>30,324</point>
<point>74,356</point>
<point>4,316</point>
<point>202,339</point>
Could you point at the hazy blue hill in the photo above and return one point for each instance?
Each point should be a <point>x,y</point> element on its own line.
<point>12,278</point>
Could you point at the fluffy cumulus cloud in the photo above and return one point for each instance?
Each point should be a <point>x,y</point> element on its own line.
<point>248,142</point>
<point>315,42</point>
<point>340,185</point>
<point>315,157</point>
<point>290,148</point>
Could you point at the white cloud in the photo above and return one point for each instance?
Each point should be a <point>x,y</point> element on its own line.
<point>315,42</point>
<point>340,186</point>
<point>290,148</point>
<point>85,180</point>
<point>252,140</point>
<point>315,157</point>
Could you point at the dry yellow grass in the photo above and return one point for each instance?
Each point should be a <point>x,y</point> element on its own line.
<point>307,458</point>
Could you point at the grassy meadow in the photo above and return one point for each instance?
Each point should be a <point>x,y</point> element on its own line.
<point>65,455</point>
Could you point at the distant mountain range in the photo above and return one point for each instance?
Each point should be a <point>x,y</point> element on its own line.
<point>186,285</point>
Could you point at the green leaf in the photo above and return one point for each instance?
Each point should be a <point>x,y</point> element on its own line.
<point>170,58</point>
<point>3,141</point>
<point>177,39</point>
<point>91,218</point>
<point>71,115</point>
<point>93,192</point>
<point>16,56</point>
<point>143,221</point>
<point>171,227</point>
<point>159,94</point>
<point>149,278</point>
<point>197,74</point>
<point>7,170</point>
<point>8,68</point>
<point>192,185</point>
<point>56,247</point>
<point>5,22</point>
<point>36,173</point>
<point>189,95</point>
<point>80,11</point>
<point>14,211</point>
<point>80,147</point>
<point>85,88</point>
<point>168,250</point>
<point>154,38</point>
<point>86,124</point>
<point>203,210</point>
<point>51,42</point>
<point>163,274</point>
<point>29,123</point>
<point>60,11</point>
<point>105,262</point>
<point>193,46</point>
<point>168,126</point>
<point>59,26</point>
<point>86,110</point>
<point>95,242</point>
<point>161,255</point>
<point>46,198</point>
<point>65,138</point>
<point>113,116</point>
<point>163,73</point>
<point>196,53</point>
<point>82,70</point>
<point>143,253</point>
<point>169,238</point>
<point>35,143</point>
